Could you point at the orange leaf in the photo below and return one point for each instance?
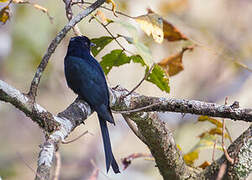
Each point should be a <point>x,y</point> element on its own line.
<point>173,64</point>
<point>171,33</point>
<point>152,23</point>
<point>4,14</point>
<point>204,164</point>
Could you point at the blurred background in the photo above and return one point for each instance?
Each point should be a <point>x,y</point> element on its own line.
<point>221,28</point>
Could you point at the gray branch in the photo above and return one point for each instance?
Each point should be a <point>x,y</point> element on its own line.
<point>156,135</point>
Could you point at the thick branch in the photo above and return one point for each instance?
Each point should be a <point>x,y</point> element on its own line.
<point>53,45</point>
<point>188,106</point>
<point>241,151</point>
<point>157,136</point>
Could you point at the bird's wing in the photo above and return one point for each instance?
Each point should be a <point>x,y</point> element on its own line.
<point>87,81</point>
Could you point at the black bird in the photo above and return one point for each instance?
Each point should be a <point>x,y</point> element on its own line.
<point>85,77</point>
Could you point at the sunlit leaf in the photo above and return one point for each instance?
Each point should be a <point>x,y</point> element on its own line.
<point>102,17</point>
<point>4,14</point>
<point>205,164</point>
<point>152,23</point>
<point>159,78</point>
<point>114,58</point>
<point>171,33</point>
<point>100,43</point>
<point>191,157</point>
<point>138,59</point>
<point>173,64</point>
<point>142,50</point>
<point>211,120</point>
<point>113,6</point>
<point>207,142</point>
<point>3,1</point>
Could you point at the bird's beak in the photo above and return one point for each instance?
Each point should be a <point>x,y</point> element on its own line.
<point>92,44</point>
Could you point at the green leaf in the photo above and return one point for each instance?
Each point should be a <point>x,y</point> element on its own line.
<point>100,43</point>
<point>138,59</point>
<point>159,78</point>
<point>114,58</point>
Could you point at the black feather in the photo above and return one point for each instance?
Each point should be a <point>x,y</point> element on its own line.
<point>85,77</point>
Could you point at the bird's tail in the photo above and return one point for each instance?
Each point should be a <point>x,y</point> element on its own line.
<point>110,160</point>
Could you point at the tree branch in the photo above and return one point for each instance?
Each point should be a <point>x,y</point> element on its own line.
<point>187,106</point>
<point>156,135</point>
<point>55,42</point>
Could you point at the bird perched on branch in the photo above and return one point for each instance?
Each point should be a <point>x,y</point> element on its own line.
<point>85,77</point>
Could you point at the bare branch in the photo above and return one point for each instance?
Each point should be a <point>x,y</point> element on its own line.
<point>136,101</point>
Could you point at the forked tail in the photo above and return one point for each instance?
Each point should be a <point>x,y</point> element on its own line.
<point>110,160</point>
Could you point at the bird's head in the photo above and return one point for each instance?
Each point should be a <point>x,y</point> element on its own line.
<point>81,42</point>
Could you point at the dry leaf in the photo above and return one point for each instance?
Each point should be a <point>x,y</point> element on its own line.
<point>190,157</point>
<point>152,23</point>
<point>211,120</point>
<point>205,164</point>
<point>171,33</point>
<point>113,6</point>
<point>102,17</point>
<point>40,8</point>
<point>4,14</point>
<point>173,64</point>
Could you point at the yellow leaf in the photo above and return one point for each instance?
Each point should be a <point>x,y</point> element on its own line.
<point>211,120</point>
<point>178,146</point>
<point>173,64</point>
<point>113,6</point>
<point>204,164</point>
<point>152,23</point>
<point>190,157</point>
<point>171,33</point>
<point>3,1</point>
<point>4,14</point>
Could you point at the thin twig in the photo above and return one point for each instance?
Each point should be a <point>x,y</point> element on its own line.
<point>117,12</point>
<point>69,15</point>
<point>214,147</point>
<point>75,139</point>
<point>222,171</point>
<point>109,32</point>
<point>57,166</point>
<point>222,138</point>
<point>54,44</point>
<point>138,109</point>
<point>127,160</point>
<point>133,127</point>
<point>21,157</point>
<point>96,167</point>
<point>145,77</point>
